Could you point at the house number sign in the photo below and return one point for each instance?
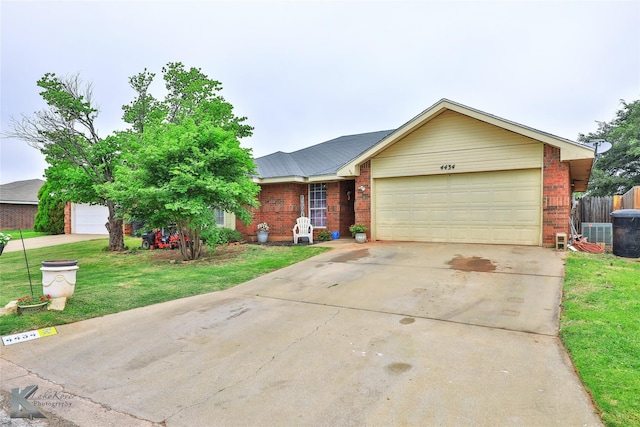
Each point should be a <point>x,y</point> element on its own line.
<point>447,167</point>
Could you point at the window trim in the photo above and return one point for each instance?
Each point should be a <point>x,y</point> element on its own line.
<point>323,190</point>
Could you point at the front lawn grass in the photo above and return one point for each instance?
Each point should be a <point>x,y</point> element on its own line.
<point>112,282</point>
<point>26,234</point>
<point>600,327</point>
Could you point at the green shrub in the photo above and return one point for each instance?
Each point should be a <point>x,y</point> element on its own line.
<point>220,236</point>
<point>50,215</point>
<point>324,235</point>
<point>231,236</point>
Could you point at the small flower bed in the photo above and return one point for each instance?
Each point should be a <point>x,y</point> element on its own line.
<point>28,300</point>
<point>263,226</point>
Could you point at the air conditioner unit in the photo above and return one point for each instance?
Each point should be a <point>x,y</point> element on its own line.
<point>597,232</point>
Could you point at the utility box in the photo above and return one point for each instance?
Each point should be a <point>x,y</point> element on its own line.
<point>598,232</point>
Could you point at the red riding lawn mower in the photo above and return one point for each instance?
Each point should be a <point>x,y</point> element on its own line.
<point>161,238</point>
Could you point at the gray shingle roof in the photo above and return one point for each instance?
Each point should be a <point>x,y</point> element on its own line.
<point>21,192</point>
<point>321,159</point>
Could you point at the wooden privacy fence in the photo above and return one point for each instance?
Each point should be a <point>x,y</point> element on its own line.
<point>598,209</point>
<point>593,209</point>
<point>629,200</point>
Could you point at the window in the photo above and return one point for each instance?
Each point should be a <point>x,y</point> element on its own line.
<point>318,205</point>
<point>219,214</point>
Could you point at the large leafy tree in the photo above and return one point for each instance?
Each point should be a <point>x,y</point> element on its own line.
<point>81,163</point>
<point>183,156</point>
<point>617,170</point>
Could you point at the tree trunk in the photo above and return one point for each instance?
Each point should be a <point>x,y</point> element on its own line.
<point>114,226</point>
<point>190,244</point>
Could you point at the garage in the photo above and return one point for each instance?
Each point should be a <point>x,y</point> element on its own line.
<point>89,219</point>
<point>457,174</point>
<point>458,179</point>
<point>502,207</point>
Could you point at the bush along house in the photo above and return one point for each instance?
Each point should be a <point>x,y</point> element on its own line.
<point>450,174</point>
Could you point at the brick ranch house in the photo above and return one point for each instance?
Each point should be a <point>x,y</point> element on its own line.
<point>450,174</point>
<point>19,204</point>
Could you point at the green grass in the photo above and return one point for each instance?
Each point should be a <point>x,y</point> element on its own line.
<point>113,282</point>
<point>600,327</point>
<point>26,234</point>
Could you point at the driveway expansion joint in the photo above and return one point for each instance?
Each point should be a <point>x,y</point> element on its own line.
<point>435,319</point>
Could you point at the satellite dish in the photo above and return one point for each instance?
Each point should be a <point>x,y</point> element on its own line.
<point>599,145</point>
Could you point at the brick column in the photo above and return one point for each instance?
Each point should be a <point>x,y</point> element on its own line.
<point>362,203</point>
<point>556,196</point>
<point>67,218</point>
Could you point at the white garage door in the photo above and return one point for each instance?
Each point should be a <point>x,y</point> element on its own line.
<point>484,207</point>
<point>89,219</point>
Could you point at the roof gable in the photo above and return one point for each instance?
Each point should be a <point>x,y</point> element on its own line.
<point>580,157</point>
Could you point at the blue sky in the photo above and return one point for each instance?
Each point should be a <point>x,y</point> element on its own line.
<point>307,71</point>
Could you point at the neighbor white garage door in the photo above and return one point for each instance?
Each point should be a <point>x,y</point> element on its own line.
<point>483,207</point>
<point>89,219</point>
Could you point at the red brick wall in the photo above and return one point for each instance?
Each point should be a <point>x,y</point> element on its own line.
<point>556,196</point>
<point>363,197</point>
<point>14,217</point>
<point>280,206</point>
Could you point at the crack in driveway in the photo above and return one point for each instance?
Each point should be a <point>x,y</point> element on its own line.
<point>248,377</point>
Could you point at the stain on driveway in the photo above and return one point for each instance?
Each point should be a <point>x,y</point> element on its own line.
<point>474,263</point>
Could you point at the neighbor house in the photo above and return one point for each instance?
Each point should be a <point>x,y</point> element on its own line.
<point>19,204</point>
<point>450,174</point>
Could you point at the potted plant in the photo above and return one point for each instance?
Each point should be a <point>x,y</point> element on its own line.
<point>359,231</point>
<point>4,239</point>
<point>263,232</point>
<point>29,304</point>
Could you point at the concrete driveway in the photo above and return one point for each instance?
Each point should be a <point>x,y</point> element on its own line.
<point>15,244</point>
<point>375,334</point>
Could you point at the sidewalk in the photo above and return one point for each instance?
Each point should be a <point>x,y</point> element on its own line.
<point>15,244</point>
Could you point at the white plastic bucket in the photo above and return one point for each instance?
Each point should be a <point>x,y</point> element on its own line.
<point>59,278</point>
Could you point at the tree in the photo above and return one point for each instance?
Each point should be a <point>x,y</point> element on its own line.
<point>50,215</point>
<point>183,157</point>
<point>82,163</point>
<point>617,170</point>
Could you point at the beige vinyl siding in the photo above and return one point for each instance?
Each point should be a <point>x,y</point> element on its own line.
<point>454,140</point>
<point>230,220</point>
<point>487,207</point>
